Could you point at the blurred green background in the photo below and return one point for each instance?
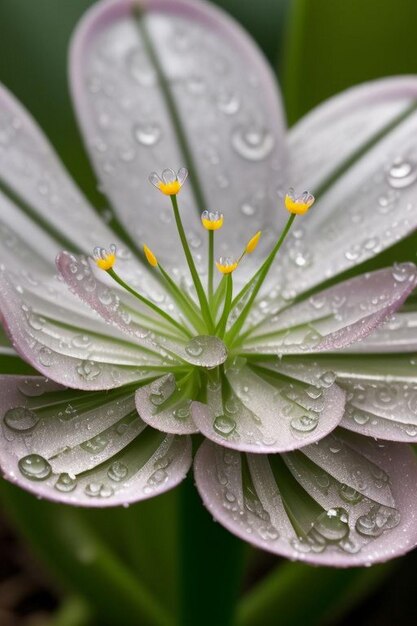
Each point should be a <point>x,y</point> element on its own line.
<point>317,47</point>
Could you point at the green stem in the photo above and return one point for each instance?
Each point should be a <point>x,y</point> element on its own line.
<point>188,307</point>
<point>261,275</point>
<point>210,265</point>
<point>190,261</point>
<point>148,303</point>
<point>211,565</point>
<point>221,327</point>
<point>219,295</point>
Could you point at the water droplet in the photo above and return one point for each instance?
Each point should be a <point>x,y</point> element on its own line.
<point>401,272</point>
<point>251,143</point>
<point>35,467</point>
<point>117,471</point>
<point>377,520</point>
<point>95,445</point>
<point>194,347</point>
<point>81,341</point>
<point>411,429</point>
<point>89,370</point>
<point>139,68</point>
<point>183,412</point>
<point>349,494</point>
<point>228,102</point>
<point>360,418</point>
<point>305,423</point>
<point>248,209</point>
<point>402,174</point>
<point>331,525</point>
<point>66,483</point>
<point>99,490</point>
<point>147,134</point>
<point>157,478</point>
<point>327,379</point>
<point>224,425</point>
<point>20,419</point>
<point>46,357</point>
<point>314,392</point>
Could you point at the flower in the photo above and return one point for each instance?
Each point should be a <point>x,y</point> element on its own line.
<point>169,182</point>
<point>226,265</point>
<point>105,259</point>
<point>306,428</point>
<point>212,220</point>
<point>298,204</point>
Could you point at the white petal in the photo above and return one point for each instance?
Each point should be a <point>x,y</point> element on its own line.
<point>214,73</point>
<point>372,205</point>
<point>289,505</point>
<point>85,449</point>
<point>258,410</point>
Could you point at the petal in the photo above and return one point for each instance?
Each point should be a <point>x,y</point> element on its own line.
<point>336,317</point>
<point>67,346</point>
<point>397,334</point>
<point>258,410</point>
<point>297,505</point>
<point>203,351</point>
<point>207,69</point>
<point>86,449</point>
<point>372,204</point>
<point>165,405</point>
<point>32,177</point>
<point>381,393</point>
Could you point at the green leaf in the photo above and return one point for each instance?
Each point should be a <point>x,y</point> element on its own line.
<point>264,20</point>
<point>87,565</point>
<point>333,45</point>
<point>300,594</point>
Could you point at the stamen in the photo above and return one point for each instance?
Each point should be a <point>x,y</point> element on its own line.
<point>298,204</point>
<point>180,178</point>
<point>105,259</point>
<point>169,183</point>
<point>226,265</point>
<point>221,327</point>
<point>187,305</point>
<point>211,220</point>
<point>303,203</point>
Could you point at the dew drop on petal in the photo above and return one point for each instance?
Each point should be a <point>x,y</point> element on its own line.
<point>35,467</point>
<point>224,425</point>
<point>20,419</point>
<point>66,483</point>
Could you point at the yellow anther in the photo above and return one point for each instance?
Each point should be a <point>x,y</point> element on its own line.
<point>170,189</point>
<point>252,243</point>
<point>150,257</point>
<point>105,259</point>
<point>226,265</point>
<point>212,220</point>
<point>298,204</point>
<point>169,182</point>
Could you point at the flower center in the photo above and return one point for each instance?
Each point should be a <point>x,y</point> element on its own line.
<point>212,314</point>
